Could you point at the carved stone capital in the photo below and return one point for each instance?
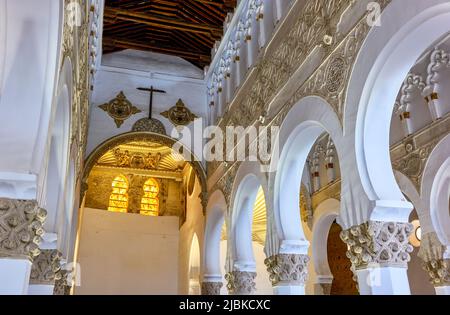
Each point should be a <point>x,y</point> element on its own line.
<point>432,254</point>
<point>46,268</point>
<point>61,285</point>
<point>287,268</point>
<point>211,288</point>
<point>438,271</point>
<point>431,248</point>
<point>383,243</point>
<point>21,228</point>
<point>241,282</point>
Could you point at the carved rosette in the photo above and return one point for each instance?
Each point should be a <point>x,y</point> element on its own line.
<point>61,284</point>
<point>21,228</point>
<point>383,243</point>
<point>287,268</point>
<point>46,268</point>
<point>211,288</point>
<point>241,282</point>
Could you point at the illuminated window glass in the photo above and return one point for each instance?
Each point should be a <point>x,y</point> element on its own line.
<point>118,201</point>
<point>150,201</point>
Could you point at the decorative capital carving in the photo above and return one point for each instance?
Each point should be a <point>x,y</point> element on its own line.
<point>287,268</point>
<point>46,267</point>
<point>241,282</point>
<point>21,228</point>
<point>61,284</point>
<point>211,288</point>
<point>384,243</point>
<point>432,253</point>
<point>438,271</point>
<point>431,248</point>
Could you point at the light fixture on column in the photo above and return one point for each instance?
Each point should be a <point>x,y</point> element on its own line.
<point>416,237</point>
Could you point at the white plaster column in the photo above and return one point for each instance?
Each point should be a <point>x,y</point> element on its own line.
<point>379,252</point>
<point>20,236</point>
<point>281,8</point>
<point>266,18</point>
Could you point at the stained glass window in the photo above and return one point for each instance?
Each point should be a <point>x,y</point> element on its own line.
<point>118,201</point>
<point>150,200</point>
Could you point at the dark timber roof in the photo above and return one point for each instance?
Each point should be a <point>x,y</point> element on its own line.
<point>184,28</point>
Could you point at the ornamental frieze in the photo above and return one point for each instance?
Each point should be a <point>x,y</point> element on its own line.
<point>329,80</point>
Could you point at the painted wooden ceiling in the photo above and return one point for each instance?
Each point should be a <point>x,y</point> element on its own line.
<point>184,28</point>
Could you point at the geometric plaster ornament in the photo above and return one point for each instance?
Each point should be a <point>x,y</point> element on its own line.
<point>120,109</point>
<point>149,125</point>
<point>179,115</point>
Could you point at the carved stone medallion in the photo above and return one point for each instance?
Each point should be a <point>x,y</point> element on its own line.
<point>179,115</point>
<point>335,74</point>
<point>120,109</point>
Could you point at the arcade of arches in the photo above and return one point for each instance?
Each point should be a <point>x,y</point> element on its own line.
<point>353,197</point>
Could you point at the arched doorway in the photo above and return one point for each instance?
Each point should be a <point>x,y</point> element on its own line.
<point>194,267</point>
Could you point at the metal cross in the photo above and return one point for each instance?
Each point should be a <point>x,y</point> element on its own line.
<point>151,90</point>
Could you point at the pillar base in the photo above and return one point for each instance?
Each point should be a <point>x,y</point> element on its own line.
<point>289,290</point>
<point>14,276</point>
<point>383,281</point>
<point>444,290</point>
<point>41,289</point>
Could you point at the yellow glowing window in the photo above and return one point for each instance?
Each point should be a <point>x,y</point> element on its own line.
<point>150,201</point>
<point>118,201</point>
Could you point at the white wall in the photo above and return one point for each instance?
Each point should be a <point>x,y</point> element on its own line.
<point>126,71</point>
<point>128,254</point>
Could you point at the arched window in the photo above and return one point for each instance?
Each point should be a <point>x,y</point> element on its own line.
<point>150,201</point>
<point>118,201</point>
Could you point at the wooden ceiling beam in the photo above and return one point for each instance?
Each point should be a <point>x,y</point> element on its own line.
<point>127,44</point>
<point>160,22</point>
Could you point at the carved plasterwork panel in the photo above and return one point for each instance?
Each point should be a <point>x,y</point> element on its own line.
<point>21,228</point>
<point>287,268</point>
<point>211,288</point>
<point>317,20</point>
<point>75,47</point>
<point>120,109</point>
<point>46,268</point>
<point>383,243</point>
<point>241,282</point>
<point>149,125</point>
<point>179,115</point>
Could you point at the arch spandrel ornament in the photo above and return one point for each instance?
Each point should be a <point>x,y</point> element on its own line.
<point>164,140</point>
